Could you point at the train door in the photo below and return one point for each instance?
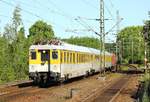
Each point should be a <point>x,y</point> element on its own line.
<point>45,60</point>
<point>55,61</point>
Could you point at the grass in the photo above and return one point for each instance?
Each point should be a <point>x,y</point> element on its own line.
<point>146,93</point>
<point>124,68</point>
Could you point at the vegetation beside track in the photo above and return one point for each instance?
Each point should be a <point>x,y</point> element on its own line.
<point>144,92</point>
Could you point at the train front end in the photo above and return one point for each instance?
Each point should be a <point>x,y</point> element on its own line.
<point>43,64</point>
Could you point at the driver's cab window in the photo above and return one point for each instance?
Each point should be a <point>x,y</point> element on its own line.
<point>55,55</point>
<point>44,55</point>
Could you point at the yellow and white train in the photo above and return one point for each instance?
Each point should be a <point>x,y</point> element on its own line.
<point>60,62</point>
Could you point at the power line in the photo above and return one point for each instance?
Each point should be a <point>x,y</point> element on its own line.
<point>11,18</point>
<point>49,9</point>
<point>106,7</point>
<point>10,4</point>
<point>58,9</point>
<point>60,12</point>
<point>70,17</point>
<point>111,3</point>
<point>86,26</point>
<point>88,3</point>
<point>109,11</point>
<point>31,13</point>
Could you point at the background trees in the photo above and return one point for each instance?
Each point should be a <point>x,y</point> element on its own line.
<point>84,41</point>
<point>131,44</point>
<point>14,46</point>
<point>39,31</point>
<point>146,31</point>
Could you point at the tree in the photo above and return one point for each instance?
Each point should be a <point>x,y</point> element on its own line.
<point>84,41</point>
<point>14,59</point>
<point>40,31</point>
<point>10,30</point>
<point>6,70</point>
<point>146,31</point>
<point>20,55</point>
<point>17,21</point>
<point>9,33</point>
<point>131,44</point>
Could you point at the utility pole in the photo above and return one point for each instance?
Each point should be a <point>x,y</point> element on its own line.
<point>118,19</point>
<point>118,29</point>
<point>102,37</point>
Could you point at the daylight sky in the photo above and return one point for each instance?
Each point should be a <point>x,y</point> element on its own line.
<point>61,14</point>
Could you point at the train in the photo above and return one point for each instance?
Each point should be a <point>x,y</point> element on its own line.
<point>60,61</point>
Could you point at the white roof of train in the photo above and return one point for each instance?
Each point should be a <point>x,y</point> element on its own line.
<point>66,46</point>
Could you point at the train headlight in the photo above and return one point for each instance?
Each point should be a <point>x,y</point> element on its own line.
<point>44,51</point>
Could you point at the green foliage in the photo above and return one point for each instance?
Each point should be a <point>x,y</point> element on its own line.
<point>17,21</point>
<point>146,31</point>
<point>110,47</point>
<point>12,50</point>
<point>11,30</point>
<point>9,33</point>
<point>130,40</point>
<point>84,41</point>
<point>19,55</point>
<point>40,31</point>
<point>146,93</point>
<point>15,46</point>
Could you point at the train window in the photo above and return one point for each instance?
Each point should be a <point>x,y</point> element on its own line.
<point>73,57</point>
<point>44,55</point>
<point>64,57</point>
<point>61,57</point>
<point>77,58</point>
<point>68,57</point>
<point>91,57</point>
<point>81,57</point>
<point>55,55</point>
<point>33,55</point>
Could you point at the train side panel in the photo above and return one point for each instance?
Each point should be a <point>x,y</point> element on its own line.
<point>74,64</point>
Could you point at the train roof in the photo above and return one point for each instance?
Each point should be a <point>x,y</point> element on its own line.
<point>70,47</point>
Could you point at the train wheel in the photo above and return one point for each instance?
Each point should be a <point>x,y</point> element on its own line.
<point>43,82</point>
<point>86,74</point>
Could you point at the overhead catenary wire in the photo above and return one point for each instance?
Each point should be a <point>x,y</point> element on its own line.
<point>111,3</point>
<point>49,9</point>
<point>33,14</point>
<point>109,11</point>
<point>10,4</point>
<point>52,11</point>
<point>84,24</point>
<point>67,15</point>
<point>59,11</point>
<point>94,6</point>
<point>12,18</point>
<point>88,3</point>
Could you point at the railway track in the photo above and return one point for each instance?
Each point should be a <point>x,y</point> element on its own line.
<point>110,92</point>
<point>7,94</point>
<point>107,93</point>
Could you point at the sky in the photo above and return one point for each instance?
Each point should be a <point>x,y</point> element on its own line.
<point>66,16</point>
